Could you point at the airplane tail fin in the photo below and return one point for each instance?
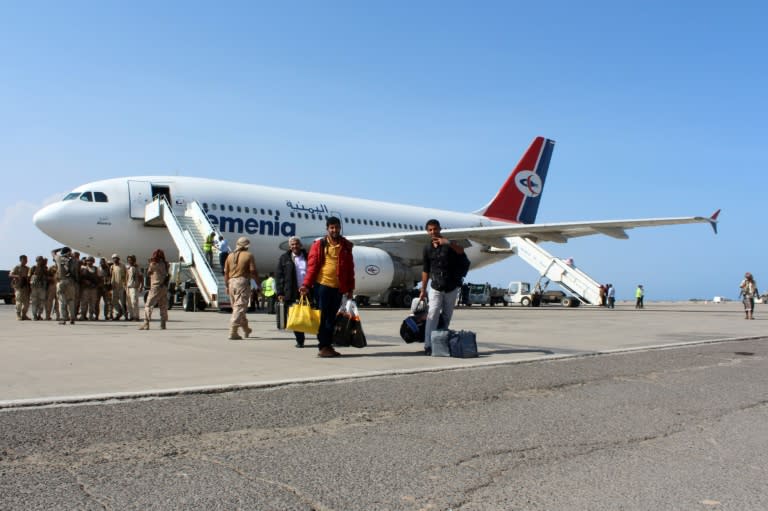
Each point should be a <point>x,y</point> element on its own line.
<point>518,199</point>
<point>713,220</point>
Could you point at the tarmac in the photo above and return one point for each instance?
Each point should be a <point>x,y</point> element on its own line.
<point>43,363</point>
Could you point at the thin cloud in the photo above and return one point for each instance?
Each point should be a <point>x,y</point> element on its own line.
<point>19,235</point>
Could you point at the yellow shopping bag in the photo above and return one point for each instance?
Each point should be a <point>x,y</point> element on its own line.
<point>303,318</point>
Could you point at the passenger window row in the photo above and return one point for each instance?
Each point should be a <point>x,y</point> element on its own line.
<point>381,223</point>
<point>359,221</point>
<point>239,209</point>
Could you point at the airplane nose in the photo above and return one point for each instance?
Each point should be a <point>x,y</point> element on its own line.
<point>44,218</point>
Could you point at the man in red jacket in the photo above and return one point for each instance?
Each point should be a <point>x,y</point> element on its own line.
<point>331,275</point>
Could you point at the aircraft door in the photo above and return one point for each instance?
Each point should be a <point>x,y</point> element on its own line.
<point>140,194</point>
<point>179,205</point>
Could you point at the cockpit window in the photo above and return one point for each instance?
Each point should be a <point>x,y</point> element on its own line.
<point>100,197</point>
<point>72,196</point>
<point>87,197</point>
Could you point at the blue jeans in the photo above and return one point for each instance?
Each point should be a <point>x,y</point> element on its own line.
<point>440,303</point>
<point>328,301</point>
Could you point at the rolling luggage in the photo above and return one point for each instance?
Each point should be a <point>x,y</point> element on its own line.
<point>282,315</point>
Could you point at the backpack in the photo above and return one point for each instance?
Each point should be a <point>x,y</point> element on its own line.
<point>463,264</point>
<point>65,267</point>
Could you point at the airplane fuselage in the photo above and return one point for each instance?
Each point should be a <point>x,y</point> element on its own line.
<point>267,216</point>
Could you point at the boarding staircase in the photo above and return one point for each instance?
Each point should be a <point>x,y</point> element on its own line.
<point>188,231</point>
<point>557,270</point>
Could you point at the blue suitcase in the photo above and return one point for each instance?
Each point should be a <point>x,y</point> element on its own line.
<point>463,344</point>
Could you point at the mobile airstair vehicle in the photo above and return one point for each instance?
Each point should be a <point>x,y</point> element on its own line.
<point>559,271</point>
<point>199,283</point>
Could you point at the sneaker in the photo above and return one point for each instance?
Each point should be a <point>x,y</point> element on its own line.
<point>428,352</point>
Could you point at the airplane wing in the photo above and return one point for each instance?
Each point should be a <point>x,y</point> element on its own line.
<point>494,236</point>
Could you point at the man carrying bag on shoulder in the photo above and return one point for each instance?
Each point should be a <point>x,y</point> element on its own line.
<point>445,264</point>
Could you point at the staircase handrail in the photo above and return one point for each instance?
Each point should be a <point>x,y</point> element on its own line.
<point>209,288</point>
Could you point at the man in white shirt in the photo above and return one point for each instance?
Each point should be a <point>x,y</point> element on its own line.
<point>223,247</point>
<point>611,296</point>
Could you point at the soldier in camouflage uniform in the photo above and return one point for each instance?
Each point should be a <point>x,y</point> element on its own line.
<point>20,282</point>
<point>118,287</point>
<point>158,272</point>
<point>89,294</point>
<point>79,264</point>
<point>133,287</point>
<point>67,272</point>
<point>239,269</point>
<point>38,282</point>
<point>105,288</point>
<point>51,302</point>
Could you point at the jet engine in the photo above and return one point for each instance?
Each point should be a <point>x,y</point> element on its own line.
<point>376,272</point>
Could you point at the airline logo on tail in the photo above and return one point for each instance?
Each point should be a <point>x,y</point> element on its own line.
<point>529,183</point>
<point>518,199</point>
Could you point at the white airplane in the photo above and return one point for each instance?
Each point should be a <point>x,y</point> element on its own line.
<point>105,217</point>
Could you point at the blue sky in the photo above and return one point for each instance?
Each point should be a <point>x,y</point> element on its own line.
<point>658,109</point>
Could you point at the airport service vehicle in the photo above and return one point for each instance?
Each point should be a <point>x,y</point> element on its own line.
<point>6,290</point>
<point>521,293</point>
<point>138,214</point>
<point>485,294</point>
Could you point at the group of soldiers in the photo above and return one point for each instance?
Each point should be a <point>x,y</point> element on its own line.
<point>74,288</point>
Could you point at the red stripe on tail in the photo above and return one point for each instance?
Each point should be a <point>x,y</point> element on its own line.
<point>518,199</point>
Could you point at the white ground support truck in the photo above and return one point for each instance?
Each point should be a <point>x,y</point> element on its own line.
<point>521,293</point>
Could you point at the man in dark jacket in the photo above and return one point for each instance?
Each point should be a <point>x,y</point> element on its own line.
<point>291,270</point>
<point>331,272</point>
<point>443,265</point>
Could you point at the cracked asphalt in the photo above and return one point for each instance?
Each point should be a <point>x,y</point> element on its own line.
<point>677,428</point>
